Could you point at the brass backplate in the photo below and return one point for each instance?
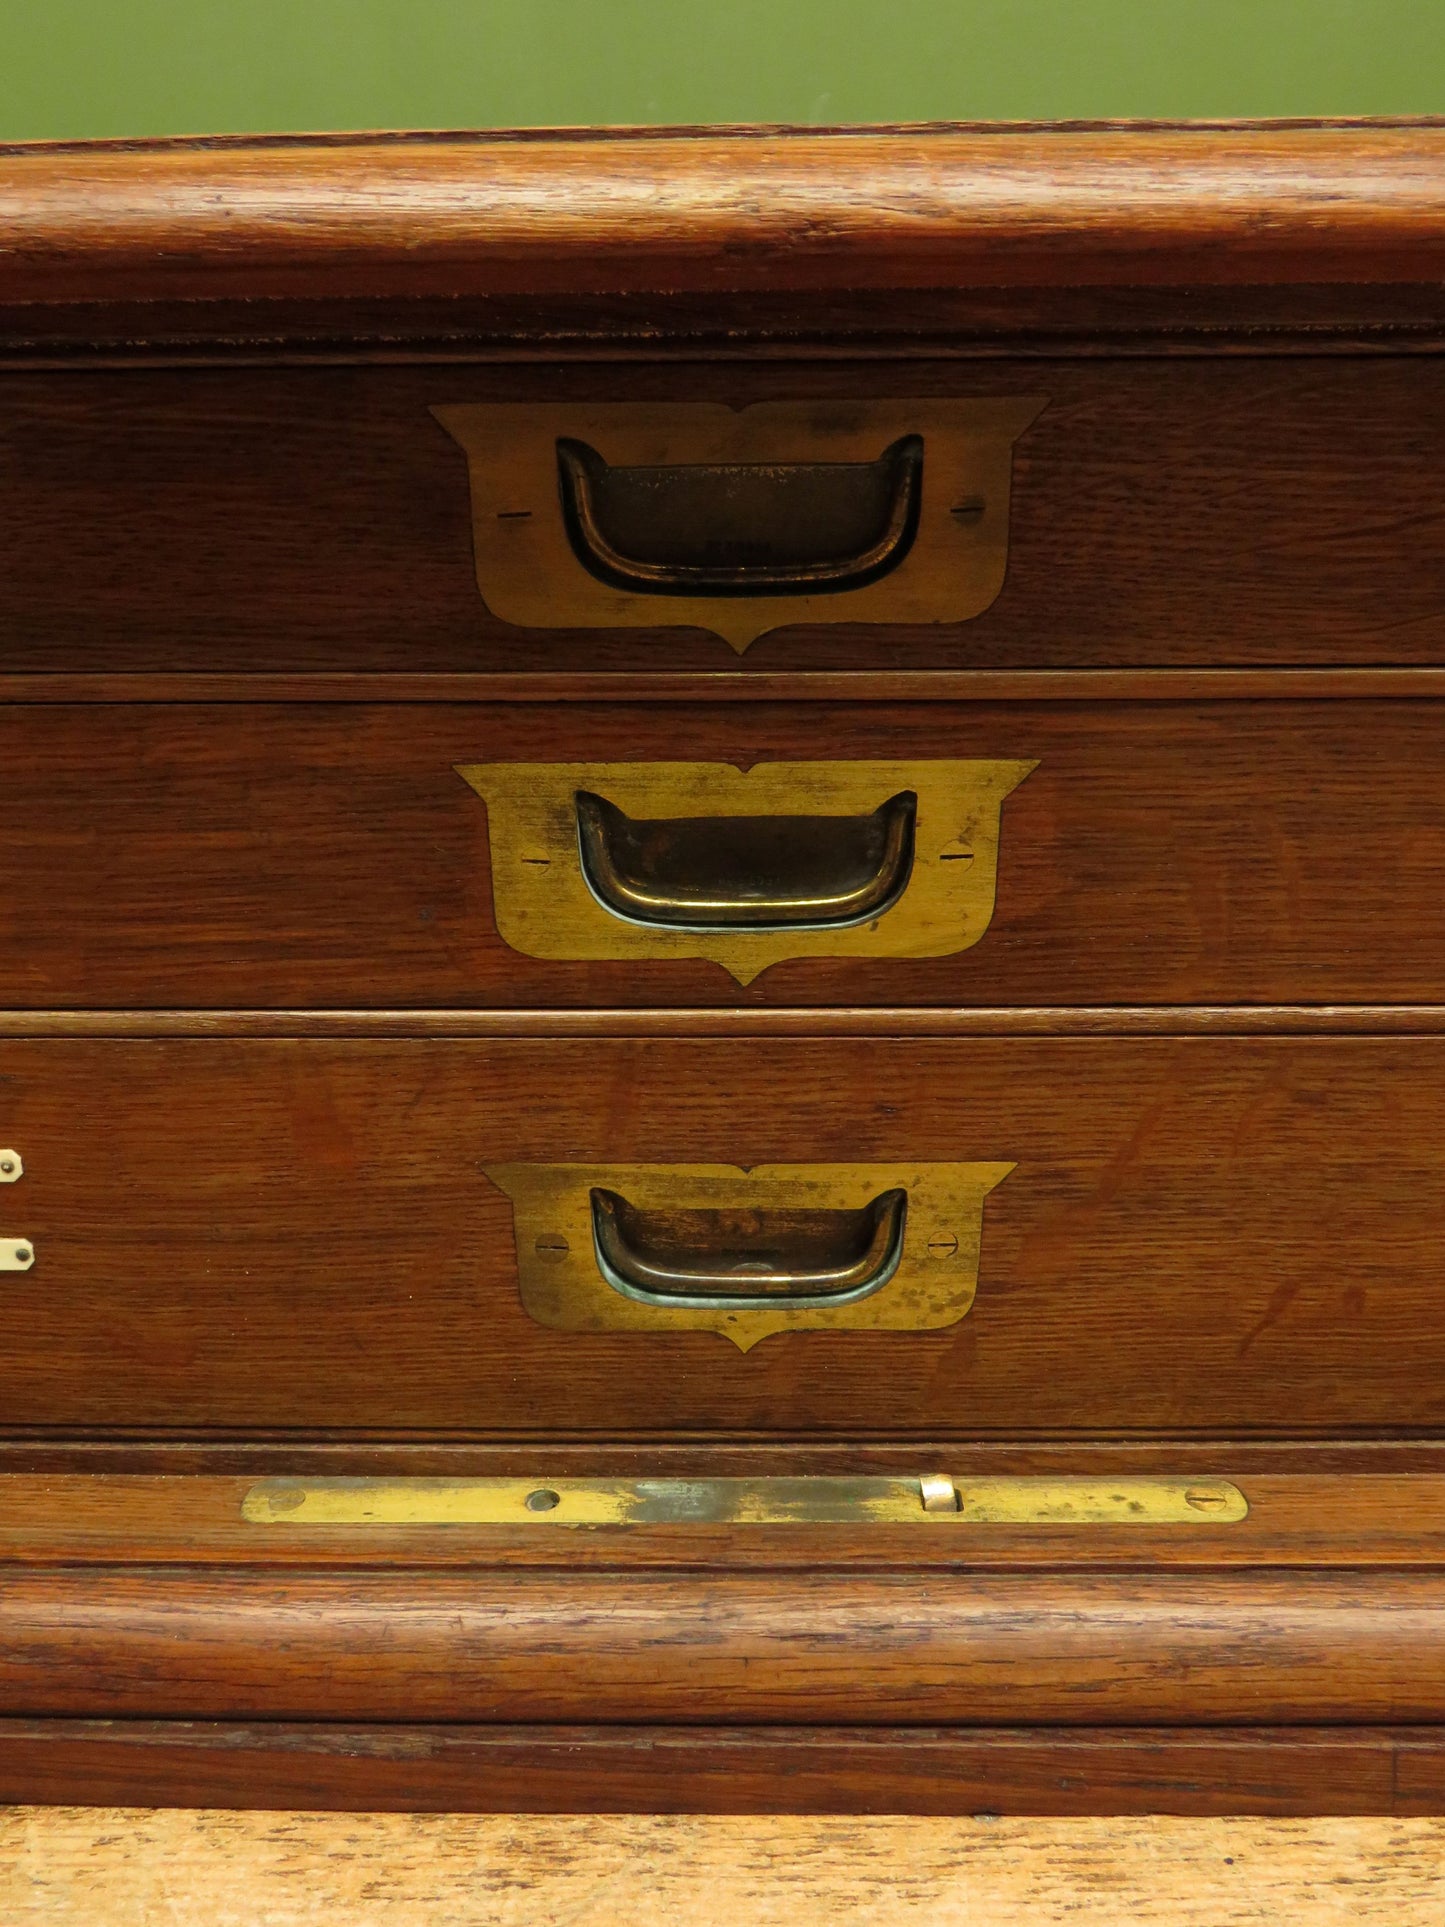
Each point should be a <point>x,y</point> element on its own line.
<point>564,1286</point>
<point>744,1502</point>
<point>545,907</point>
<point>16,1253</point>
<point>529,573</point>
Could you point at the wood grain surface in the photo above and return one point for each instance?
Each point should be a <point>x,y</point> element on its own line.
<point>1380,683</point>
<point>753,208</point>
<point>1216,854</point>
<point>127,1868</point>
<point>885,1649</point>
<point>1203,1235</point>
<point>1184,512</point>
<point>946,1771</point>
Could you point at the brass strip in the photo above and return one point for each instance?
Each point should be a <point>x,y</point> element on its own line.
<point>762,1501</point>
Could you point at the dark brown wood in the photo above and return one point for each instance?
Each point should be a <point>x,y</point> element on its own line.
<point>1119,1020</point>
<point>811,1648</point>
<point>729,686</point>
<point>1280,320</point>
<point>1202,1235</point>
<point>416,215</point>
<point>1205,513</point>
<point>165,1452</point>
<point>630,1769</point>
<point>1248,854</point>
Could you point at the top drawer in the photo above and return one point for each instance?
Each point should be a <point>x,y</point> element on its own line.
<point>1039,513</point>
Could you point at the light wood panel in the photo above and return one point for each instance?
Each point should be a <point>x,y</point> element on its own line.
<point>126,1868</point>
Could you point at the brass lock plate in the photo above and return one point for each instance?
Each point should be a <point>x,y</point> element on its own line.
<point>653,515</point>
<point>16,1253</point>
<point>747,1253</point>
<point>744,868</point>
<point>744,1502</point>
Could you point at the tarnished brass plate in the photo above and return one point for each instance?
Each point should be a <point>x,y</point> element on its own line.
<point>750,1502</point>
<point>928,1282</point>
<point>545,905</point>
<point>944,560</point>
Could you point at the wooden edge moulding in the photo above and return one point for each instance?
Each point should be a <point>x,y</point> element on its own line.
<point>360,244</point>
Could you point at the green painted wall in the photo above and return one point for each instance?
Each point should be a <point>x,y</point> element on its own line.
<point>71,68</point>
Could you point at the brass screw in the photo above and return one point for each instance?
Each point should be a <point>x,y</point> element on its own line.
<point>1204,1501</point>
<point>552,1247</point>
<point>942,1244</point>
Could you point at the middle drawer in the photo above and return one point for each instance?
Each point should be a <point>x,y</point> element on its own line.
<point>568,854</point>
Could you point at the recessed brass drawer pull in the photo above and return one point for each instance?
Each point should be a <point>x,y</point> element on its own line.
<point>741,528</point>
<point>670,1248</point>
<point>825,1500</point>
<point>16,1253</point>
<point>593,515</point>
<point>747,872</point>
<point>745,868</point>
<point>748,1261</point>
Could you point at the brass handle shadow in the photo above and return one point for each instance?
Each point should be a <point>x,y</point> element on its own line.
<point>740,528</point>
<point>747,872</point>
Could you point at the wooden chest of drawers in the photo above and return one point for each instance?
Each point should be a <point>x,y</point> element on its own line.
<point>721,1066</point>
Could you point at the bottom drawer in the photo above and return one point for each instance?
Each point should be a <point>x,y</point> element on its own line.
<point>300,1236</point>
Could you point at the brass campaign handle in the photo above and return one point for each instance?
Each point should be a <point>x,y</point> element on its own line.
<point>740,528</point>
<point>747,872</point>
<point>706,1260</point>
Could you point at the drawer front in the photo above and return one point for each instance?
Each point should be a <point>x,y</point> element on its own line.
<point>1096,1237</point>
<point>1039,854</point>
<point>1033,513</point>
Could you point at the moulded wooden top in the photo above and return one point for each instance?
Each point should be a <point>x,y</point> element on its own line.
<point>746,209</point>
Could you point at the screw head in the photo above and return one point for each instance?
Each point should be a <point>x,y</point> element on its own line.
<point>543,1500</point>
<point>552,1247</point>
<point>23,1254</point>
<point>1204,1500</point>
<point>942,1244</point>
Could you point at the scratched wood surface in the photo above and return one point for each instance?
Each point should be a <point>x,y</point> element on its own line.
<point>118,1867</point>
